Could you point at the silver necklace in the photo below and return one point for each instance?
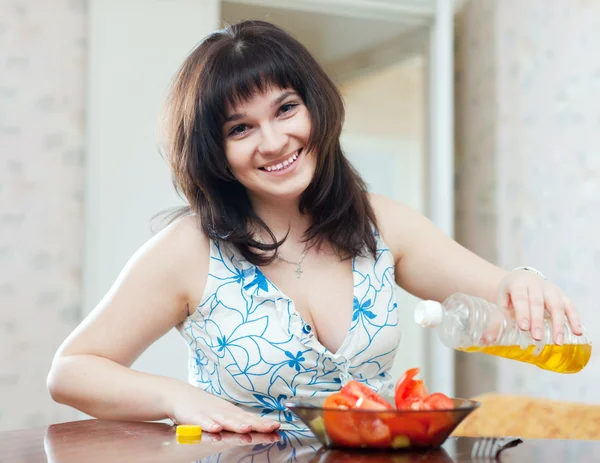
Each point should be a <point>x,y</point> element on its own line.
<point>298,264</point>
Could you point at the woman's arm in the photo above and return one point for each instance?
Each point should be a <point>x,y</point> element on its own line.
<point>431,265</point>
<point>152,294</point>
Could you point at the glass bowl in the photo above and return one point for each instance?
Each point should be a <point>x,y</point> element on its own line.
<point>380,429</point>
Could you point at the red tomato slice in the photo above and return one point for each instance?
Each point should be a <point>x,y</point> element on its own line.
<point>438,401</point>
<point>373,431</point>
<point>339,401</point>
<point>415,430</point>
<point>368,404</point>
<point>412,403</point>
<point>370,399</point>
<point>406,378</point>
<point>341,430</point>
<point>439,425</point>
<point>410,392</point>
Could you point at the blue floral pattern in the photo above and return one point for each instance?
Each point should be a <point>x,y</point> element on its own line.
<point>249,345</point>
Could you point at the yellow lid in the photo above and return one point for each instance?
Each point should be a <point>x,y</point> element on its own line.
<point>188,430</point>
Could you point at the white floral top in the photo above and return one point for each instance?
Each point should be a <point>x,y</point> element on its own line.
<point>248,344</point>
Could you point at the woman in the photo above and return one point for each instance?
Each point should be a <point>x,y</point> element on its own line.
<point>280,274</point>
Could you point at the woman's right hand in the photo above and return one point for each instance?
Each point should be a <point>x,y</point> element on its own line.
<point>152,295</point>
<point>213,414</point>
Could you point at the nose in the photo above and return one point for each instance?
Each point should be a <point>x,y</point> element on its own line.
<point>272,140</point>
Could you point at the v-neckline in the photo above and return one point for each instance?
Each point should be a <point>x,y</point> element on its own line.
<point>294,312</point>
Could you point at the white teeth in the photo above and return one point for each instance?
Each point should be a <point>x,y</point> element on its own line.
<point>283,164</point>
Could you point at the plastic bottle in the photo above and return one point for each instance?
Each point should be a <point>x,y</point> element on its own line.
<point>471,324</point>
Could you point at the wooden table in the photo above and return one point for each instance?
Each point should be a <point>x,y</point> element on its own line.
<point>109,441</point>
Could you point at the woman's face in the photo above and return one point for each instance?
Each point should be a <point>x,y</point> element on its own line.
<point>265,145</point>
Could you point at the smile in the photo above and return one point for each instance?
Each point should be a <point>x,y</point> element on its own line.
<point>284,165</point>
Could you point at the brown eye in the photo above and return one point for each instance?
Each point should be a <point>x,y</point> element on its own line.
<point>238,130</point>
<point>287,107</point>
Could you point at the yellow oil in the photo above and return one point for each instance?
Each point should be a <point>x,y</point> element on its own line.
<point>568,358</point>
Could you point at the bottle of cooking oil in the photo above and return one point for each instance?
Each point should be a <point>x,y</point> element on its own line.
<point>471,324</point>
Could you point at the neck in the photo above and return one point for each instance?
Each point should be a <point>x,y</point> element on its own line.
<point>282,217</point>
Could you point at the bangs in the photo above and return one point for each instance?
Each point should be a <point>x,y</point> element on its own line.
<point>246,60</point>
<point>247,69</point>
<point>228,68</point>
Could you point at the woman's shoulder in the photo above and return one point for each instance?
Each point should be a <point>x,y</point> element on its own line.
<point>396,222</point>
<point>182,251</point>
<point>182,238</point>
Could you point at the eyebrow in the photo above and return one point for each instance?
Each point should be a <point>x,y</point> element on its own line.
<point>276,102</point>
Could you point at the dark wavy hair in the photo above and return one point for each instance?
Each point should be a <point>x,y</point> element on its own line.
<point>231,66</point>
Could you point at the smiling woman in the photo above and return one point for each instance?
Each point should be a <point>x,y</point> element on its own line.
<point>266,111</point>
<point>264,146</point>
<point>280,274</point>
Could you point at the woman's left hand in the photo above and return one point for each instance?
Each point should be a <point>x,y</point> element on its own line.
<point>529,295</point>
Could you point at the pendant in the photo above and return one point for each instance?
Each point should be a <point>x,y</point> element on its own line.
<point>298,271</point>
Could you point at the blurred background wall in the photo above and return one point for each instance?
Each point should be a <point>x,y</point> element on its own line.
<point>42,150</point>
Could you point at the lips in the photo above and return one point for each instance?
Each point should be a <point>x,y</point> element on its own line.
<point>283,165</point>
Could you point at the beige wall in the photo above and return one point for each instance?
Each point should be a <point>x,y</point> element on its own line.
<point>384,129</point>
<point>128,179</point>
<point>475,162</point>
<point>388,102</point>
<point>42,62</point>
<point>528,81</point>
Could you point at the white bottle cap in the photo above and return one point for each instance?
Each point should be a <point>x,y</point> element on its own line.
<point>428,313</point>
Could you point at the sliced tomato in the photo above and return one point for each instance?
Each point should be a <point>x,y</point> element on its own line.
<point>438,401</point>
<point>405,379</point>
<point>439,425</point>
<point>340,401</point>
<point>409,392</point>
<point>373,431</point>
<point>368,404</point>
<point>412,403</point>
<point>366,397</point>
<point>341,430</point>
<point>415,430</point>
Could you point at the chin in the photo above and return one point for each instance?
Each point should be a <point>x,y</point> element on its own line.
<point>291,194</point>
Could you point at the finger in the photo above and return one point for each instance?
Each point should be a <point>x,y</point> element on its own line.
<point>273,437</point>
<point>261,424</point>
<point>264,425</point>
<point>233,422</point>
<point>536,311</point>
<point>555,307</point>
<point>520,302</point>
<point>252,438</point>
<point>256,423</point>
<point>244,439</point>
<point>264,438</point>
<point>572,315</point>
<point>208,425</point>
<point>211,437</point>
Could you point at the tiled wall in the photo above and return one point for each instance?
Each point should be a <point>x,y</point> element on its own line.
<point>528,138</point>
<point>42,72</point>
